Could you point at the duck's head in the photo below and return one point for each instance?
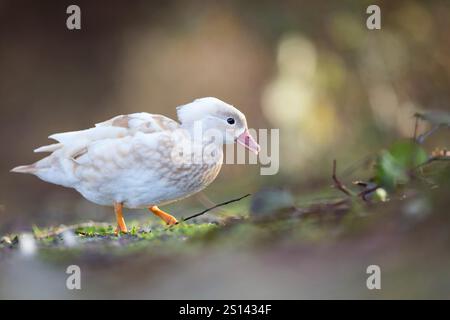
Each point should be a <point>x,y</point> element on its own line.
<point>214,114</point>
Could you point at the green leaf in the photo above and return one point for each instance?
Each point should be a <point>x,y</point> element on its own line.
<point>393,164</point>
<point>408,154</point>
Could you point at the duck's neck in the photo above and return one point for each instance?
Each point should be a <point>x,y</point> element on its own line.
<point>200,135</point>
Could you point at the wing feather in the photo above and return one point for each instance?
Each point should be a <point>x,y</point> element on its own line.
<point>117,127</point>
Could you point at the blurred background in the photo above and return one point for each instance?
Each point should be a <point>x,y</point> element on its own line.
<point>312,69</point>
<point>309,68</point>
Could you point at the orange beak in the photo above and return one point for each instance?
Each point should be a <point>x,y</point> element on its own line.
<point>248,142</point>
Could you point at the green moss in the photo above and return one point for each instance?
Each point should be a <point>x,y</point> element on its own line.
<point>95,231</point>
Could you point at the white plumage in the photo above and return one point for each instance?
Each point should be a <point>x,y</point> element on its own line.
<point>129,160</point>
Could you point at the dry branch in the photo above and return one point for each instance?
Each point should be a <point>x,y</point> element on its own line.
<point>338,184</point>
<point>214,207</point>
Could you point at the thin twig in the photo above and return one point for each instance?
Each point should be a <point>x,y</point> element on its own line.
<point>421,138</point>
<point>206,202</point>
<point>432,159</point>
<point>338,184</point>
<point>214,207</point>
<point>364,193</point>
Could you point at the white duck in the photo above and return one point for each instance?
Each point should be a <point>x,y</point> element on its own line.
<point>144,160</point>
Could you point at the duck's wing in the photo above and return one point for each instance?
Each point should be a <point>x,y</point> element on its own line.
<point>73,145</point>
<point>117,127</point>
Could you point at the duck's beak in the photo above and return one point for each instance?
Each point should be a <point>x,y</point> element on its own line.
<point>247,141</point>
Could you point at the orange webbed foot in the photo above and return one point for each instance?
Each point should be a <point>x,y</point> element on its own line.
<point>167,218</point>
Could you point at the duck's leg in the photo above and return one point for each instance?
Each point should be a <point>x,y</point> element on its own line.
<point>121,226</point>
<point>167,218</point>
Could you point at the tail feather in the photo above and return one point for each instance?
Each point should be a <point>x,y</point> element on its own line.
<point>37,167</point>
<point>25,169</point>
<point>49,148</point>
<point>50,170</point>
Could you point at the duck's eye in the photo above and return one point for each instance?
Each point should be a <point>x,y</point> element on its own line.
<point>230,120</point>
